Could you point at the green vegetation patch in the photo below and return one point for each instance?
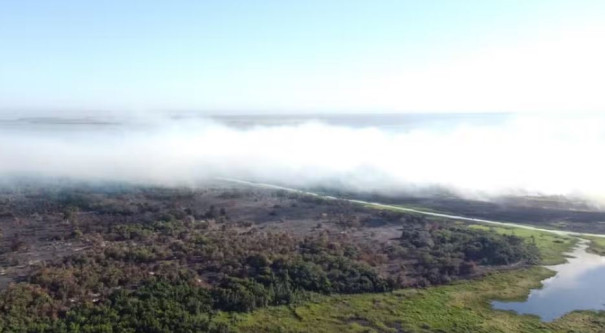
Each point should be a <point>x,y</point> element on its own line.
<point>597,245</point>
<point>552,246</point>
<point>463,306</point>
<point>460,307</point>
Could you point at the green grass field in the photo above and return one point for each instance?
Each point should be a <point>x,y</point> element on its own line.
<point>552,246</point>
<point>597,245</point>
<point>460,307</point>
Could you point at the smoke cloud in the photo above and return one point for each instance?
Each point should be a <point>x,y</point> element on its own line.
<point>560,155</point>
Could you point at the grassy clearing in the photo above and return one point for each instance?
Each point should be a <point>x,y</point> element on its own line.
<point>552,247</point>
<point>460,307</point>
<point>597,245</point>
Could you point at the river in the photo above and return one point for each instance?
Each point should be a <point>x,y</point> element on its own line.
<point>578,285</point>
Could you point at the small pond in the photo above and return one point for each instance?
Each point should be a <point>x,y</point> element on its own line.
<point>578,285</point>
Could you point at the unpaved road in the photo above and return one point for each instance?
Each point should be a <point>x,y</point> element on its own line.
<point>412,210</point>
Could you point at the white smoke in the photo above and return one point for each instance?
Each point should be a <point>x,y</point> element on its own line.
<point>526,154</point>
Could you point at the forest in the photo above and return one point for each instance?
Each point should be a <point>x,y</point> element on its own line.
<point>85,258</point>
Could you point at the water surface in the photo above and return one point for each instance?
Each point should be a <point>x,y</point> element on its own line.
<point>578,285</point>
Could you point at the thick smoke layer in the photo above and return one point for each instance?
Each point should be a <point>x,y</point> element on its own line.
<point>520,155</point>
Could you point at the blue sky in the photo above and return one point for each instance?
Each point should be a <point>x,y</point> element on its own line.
<point>303,56</point>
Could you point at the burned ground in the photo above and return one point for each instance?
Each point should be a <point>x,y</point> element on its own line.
<point>550,212</point>
<point>228,247</point>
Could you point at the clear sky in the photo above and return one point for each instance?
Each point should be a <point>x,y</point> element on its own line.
<point>303,56</point>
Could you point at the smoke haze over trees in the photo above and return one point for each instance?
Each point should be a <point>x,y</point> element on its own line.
<point>500,154</point>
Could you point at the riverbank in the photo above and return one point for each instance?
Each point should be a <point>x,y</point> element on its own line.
<point>577,285</point>
<point>463,306</point>
<point>460,307</point>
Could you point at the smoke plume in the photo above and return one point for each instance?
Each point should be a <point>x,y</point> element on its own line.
<point>560,155</point>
